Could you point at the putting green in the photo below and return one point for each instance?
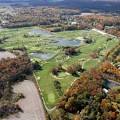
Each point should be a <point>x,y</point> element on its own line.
<point>62,74</point>
<point>51,98</point>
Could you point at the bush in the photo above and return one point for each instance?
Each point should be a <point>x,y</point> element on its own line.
<point>8,109</point>
<point>73,69</point>
<point>88,40</point>
<point>37,66</point>
<point>58,87</point>
<point>70,51</point>
<point>56,70</point>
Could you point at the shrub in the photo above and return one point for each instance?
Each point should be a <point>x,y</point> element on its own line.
<point>58,87</point>
<point>37,66</point>
<point>70,51</point>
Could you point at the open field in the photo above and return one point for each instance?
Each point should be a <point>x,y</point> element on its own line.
<point>46,43</point>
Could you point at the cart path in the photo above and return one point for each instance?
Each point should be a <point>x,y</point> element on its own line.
<point>31,105</point>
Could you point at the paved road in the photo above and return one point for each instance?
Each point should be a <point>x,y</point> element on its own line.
<point>103,32</point>
<point>112,84</point>
<point>32,104</point>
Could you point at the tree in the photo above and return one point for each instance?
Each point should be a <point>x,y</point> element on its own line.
<point>37,66</point>
<point>88,40</point>
<point>59,114</point>
<point>55,71</point>
<point>58,87</point>
<point>76,117</point>
<point>70,51</point>
<point>72,70</point>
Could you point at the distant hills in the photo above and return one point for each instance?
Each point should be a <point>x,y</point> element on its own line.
<point>83,5</point>
<point>52,1</point>
<point>4,1</point>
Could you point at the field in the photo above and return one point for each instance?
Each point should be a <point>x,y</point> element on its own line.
<point>45,44</point>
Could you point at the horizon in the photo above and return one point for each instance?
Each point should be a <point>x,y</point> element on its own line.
<point>59,59</point>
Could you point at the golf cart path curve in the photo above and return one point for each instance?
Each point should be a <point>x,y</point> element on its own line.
<point>31,105</point>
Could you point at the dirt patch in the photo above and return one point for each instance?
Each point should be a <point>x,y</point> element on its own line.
<point>6,54</point>
<point>31,105</point>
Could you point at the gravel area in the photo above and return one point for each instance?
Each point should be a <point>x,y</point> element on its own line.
<point>6,54</point>
<point>31,105</point>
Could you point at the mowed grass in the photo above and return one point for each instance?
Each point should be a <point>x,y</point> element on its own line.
<point>42,43</point>
<point>46,83</point>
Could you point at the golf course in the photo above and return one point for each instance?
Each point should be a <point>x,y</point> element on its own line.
<point>49,50</point>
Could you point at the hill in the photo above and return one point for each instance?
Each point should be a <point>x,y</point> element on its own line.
<point>83,5</point>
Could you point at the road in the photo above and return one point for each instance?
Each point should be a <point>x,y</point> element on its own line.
<point>112,84</point>
<point>31,105</point>
<point>102,32</point>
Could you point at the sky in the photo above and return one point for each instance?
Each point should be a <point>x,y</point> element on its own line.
<point>58,0</point>
<point>54,0</point>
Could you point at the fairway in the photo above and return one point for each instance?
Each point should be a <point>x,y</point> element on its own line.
<point>43,44</point>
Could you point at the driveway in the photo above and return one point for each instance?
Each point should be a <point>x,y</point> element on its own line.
<point>31,105</point>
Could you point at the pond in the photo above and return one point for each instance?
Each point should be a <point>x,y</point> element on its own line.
<point>6,54</point>
<point>38,32</point>
<point>42,55</point>
<point>67,43</point>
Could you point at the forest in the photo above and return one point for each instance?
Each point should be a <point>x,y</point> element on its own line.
<point>12,71</point>
<point>60,19</point>
<point>90,97</point>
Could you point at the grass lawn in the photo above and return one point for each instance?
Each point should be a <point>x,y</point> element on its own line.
<point>43,43</point>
